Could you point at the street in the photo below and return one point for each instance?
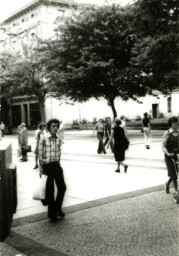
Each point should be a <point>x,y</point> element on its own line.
<point>90,176</point>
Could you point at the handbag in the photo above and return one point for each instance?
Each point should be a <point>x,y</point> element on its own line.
<point>26,148</point>
<point>126,144</point>
<point>40,188</point>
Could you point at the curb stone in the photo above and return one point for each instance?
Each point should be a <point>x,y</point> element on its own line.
<point>7,250</point>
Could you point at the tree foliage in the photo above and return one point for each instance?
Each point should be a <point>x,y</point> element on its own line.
<point>155,53</point>
<point>91,56</point>
<point>24,76</point>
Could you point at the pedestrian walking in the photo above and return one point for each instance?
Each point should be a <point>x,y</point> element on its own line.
<point>123,124</point>
<point>108,127</point>
<point>2,128</point>
<point>49,151</point>
<point>120,145</point>
<point>146,130</point>
<point>60,131</point>
<point>40,131</point>
<point>99,127</point>
<point>19,152</point>
<point>23,140</point>
<point>170,146</point>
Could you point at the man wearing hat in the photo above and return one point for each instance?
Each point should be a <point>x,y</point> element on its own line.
<point>23,140</point>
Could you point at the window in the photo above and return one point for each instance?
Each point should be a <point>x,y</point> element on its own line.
<point>169,104</point>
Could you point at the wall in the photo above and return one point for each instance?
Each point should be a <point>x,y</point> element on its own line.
<point>100,109</point>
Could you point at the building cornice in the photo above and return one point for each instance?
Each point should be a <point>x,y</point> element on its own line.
<point>36,3</point>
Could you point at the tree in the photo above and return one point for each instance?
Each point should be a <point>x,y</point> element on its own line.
<point>156,49</point>
<point>91,56</point>
<point>24,76</point>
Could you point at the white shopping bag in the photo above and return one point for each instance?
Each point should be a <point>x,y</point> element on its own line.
<point>39,188</point>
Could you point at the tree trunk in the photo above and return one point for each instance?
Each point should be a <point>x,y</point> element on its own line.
<point>42,110</point>
<point>111,103</point>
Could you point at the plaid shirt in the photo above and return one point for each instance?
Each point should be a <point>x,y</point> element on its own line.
<point>49,148</point>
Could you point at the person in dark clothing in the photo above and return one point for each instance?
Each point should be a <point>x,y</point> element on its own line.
<point>107,129</point>
<point>170,146</point>
<point>146,130</point>
<point>120,142</point>
<point>49,151</point>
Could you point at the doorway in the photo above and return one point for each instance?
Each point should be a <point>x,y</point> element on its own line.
<point>155,110</point>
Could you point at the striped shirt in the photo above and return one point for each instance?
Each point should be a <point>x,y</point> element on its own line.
<point>49,148</point>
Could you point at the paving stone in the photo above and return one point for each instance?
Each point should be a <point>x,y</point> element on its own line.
<point>6,250</point>
<point>144,225</point>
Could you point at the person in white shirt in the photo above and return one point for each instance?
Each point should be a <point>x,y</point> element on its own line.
<point>99,127</point>
<point>2,128</point>
<point>123,124</point>
<point>38,133</point>
<point>60,131</point>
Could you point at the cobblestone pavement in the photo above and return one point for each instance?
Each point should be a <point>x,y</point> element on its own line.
<point>141,225</point>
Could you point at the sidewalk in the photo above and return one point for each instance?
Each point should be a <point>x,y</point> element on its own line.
<point>140,223</point>
<point>84,168</point>
<point>107,214</point>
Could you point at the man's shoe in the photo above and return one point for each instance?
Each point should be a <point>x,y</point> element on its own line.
<point>53,219</point>
<point>23,160</point>
<point>61,214</point>
<point>125,168</point>
<point>36,166</point>
<point>45,202</point>
<point>166,188</point>
<point>176,197</point>
<point>117,170</point>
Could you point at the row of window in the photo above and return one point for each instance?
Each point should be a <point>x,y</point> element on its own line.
<point>23,20</point>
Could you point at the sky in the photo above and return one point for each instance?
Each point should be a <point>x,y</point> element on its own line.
<point>7,7</point>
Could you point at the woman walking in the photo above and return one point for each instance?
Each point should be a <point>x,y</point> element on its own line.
<point>38,133</point>
<point>100,134</point>
<point>170,146</point>
<point>120,145</point>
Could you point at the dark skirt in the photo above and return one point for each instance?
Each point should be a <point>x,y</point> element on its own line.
<point>171,167</point>
<point>119,154</point>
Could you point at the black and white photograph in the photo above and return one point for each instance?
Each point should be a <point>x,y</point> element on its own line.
<point>89,128</point>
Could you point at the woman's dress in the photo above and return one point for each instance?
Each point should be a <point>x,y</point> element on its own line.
<point>119,143</point>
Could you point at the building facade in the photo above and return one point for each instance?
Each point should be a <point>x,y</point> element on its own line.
<point>21,32</point>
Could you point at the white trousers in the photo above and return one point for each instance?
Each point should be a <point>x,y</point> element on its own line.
<point>147,136</point>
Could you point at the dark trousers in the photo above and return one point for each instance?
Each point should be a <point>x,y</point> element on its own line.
<point>111,144</point>
<point>55,173</point>
<point>101,147</point>
<point>2,132</point>
<point>24,154</point>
